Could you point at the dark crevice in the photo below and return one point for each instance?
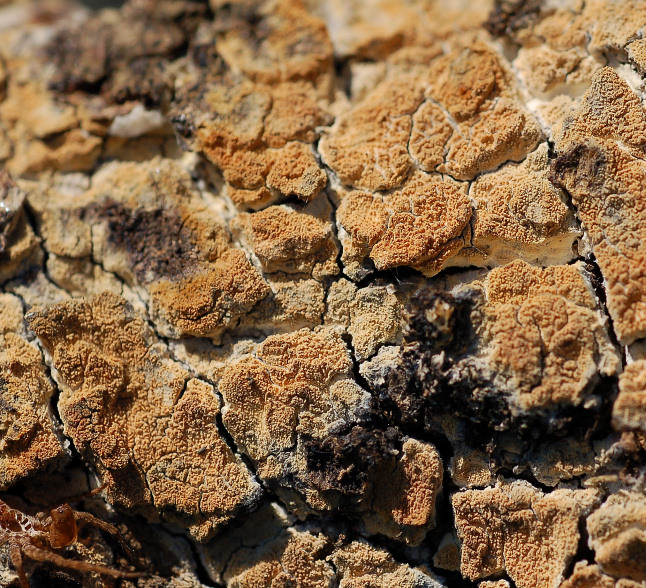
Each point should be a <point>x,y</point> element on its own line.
<point>99,4</point>
<point>200,570</point>
<point>584,553</point>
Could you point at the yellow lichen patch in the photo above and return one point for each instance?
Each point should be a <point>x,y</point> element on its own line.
<point>146,425</point>
<point>613,24</point>
<point>600,163</point>
<point>637,54</point>
<point>404,505</point>
<point>562,459</point>
<point>544,69</point>
<point>429,136</point>
<point>470,468</point>
<point>629,410</point>
<point>295,302</point>
<point>561,45</point>
<point>361,564</point>
<point>45,134</point>
<point>505,132</point>
<point>618,537</point>
<point>252,104</point>
<point>29,441</point>
<point>147,224</point>
<point>553,53</point>
<point>478,93</point>
<point>421,225</point>
<point>292,240</point>
<point>471,121</point>
<point>288,396</point>
<point>519,214</point>
<point>291,43</point>
<point>547,340</point>
<point>610,109</point>
<point>447,556</point>
<point>516,528</point>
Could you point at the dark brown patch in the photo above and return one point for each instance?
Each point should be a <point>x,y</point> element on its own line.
<point>124,59</point>
<point>80,57</point>
<point>582,166</point>
<point>246,18</point>
<point>437,373</point>
<point>156,244</point>
<point>344,462</point>
<point>11,201</point>
<point>144,80</point>
<point>510,16</point>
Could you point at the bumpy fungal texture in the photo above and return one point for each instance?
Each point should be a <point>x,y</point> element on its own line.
<point>590,576</point>
<point>292,558</point>
<point>295,557</point>
<point>149,428</point>
<point>421,225</point>
<point>423,118</point>
<point>371,315</point>
<point>628,411</point>
<point>521,215</point>
<point>252,101</point>
<point>29,440</point>
<point>292,240</point>
<point>546,333</point>
<point>404,505</point>
<point>344,293</point>
<point>362,564</point>
<point>600,163</point>
<point>147,225</point>
<point>617,535</point>
<point>515,528</point>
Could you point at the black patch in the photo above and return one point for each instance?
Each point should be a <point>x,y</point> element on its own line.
<point>345,462</point>
<point>183,126</point>
<point>439,332</point>
<point>143,80</point>
<point>156,245</point>
<point>80,57</point>
<point>509,16</point>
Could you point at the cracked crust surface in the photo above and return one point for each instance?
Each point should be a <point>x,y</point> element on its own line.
<point>340,293</point>
<point>148,427</point>
<point>29,439</point>
<point>515,528</point>
<point>616,533</point>
<point>600,163</point>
